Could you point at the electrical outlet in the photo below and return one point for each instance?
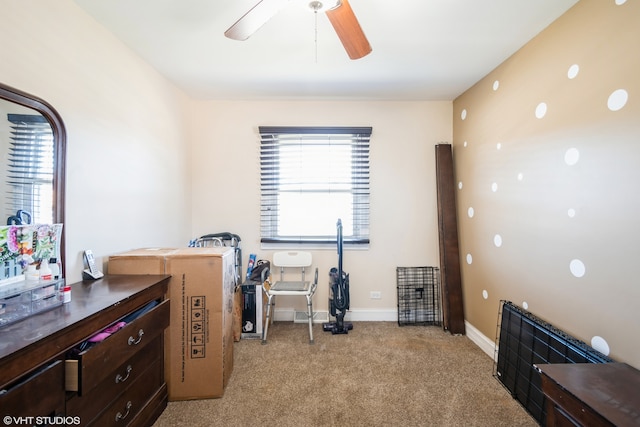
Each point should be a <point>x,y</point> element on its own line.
<point>375,295</point>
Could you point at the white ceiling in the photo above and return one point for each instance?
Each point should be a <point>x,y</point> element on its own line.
<point>422,49</point>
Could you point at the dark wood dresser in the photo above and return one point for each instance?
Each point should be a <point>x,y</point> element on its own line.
<point>49,374</point>
<point>591,394</point>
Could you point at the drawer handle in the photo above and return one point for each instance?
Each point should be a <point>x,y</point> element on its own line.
<point>120,378</point>
<point>134,341</point>
<point>119,415</point>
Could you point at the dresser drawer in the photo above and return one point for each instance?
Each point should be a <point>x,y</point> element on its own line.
<point>40,394</point>
<point>116,383</point>
<point>153,409</point>
<point>88,370</point>
<point>564,409</point>
<point>125,408</point>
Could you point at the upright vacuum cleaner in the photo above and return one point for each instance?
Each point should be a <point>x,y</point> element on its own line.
<point>338,294</point>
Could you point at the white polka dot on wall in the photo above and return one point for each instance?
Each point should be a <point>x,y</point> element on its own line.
<point>541,110</point>
<point>463,115</point>
<point>520,176</point>
<point>460,185</point>
<point>465,144</point>
<point>469,259</point>
<point>485,294</point>
<point>619,2</point>
<point>496,85</point>
<point>498,146</point>
<point>470,212</point>
<point>600,344</point>
<point>494,187</point>
<point>617,100</point>
<point>571,212</point>
<point>571,156</point>
<point>577,268</point>
<point>525,305</point>
<point>573,71</point>
<point>497,240</point>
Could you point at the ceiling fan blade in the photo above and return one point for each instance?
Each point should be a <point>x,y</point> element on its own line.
<point>255,18</point>
<point>348,28</point>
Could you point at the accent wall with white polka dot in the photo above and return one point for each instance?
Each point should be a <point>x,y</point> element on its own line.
<point>547,160</point>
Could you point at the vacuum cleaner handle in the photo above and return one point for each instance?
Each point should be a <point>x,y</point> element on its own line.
<point>339,226</point>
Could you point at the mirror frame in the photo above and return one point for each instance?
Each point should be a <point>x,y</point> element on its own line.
<point>60,149</point>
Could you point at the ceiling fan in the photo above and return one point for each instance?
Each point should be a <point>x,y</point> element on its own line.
<point>339,12</point>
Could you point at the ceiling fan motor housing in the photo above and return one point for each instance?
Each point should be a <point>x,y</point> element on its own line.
<point>319,6</point>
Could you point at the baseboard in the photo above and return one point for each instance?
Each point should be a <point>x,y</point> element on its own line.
<point>289,314</point>
<point>366,315</point>
<point>480,340</point>
<point>303,317</point>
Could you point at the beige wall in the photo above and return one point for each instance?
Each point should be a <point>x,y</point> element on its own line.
<point>566,184</point>
<point>138,150</point>
<point>127,150</point>
<point>226,185</point>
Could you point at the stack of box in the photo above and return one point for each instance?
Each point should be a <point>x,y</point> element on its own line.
<point>199,341</point>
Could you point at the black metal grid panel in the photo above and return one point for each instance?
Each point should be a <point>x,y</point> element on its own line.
<point>524,340</point>
<point>418,296</point>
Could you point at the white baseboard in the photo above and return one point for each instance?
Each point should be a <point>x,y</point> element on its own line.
<point>366,315</point>
<point>480,340</point>
<point>288,315</point>
<point>303,317</point>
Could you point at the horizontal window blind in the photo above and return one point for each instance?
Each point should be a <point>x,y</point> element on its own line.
<point>309,178</point>
<point>30,167</point>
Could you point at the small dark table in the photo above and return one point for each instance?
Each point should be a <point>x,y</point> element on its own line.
<point>591,394</point>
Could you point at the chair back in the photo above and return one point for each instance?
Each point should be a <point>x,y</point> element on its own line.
<point>292,259</point>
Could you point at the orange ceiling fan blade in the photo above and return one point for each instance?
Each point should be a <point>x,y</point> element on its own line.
<point>348,29</point>
<point>255,18</point>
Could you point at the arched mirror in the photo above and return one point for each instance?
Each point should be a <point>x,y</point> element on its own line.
<point>32,154</point>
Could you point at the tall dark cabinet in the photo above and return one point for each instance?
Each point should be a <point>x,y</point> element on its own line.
<point>452,304</point>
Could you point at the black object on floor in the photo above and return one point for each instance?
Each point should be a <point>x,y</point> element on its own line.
<point>339,294</point>
<point>524,341</point>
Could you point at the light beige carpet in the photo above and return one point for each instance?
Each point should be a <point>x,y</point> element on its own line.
<point>380,374</point>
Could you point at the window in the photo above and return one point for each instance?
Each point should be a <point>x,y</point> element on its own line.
<point>30,167</point>
<point>309,178</point>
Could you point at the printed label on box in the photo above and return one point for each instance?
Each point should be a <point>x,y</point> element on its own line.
<point>197,313</point>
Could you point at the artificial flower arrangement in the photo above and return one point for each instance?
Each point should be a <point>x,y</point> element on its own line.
<point>29,244</point>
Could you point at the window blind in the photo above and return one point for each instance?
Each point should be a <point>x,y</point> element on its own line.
<point>309,178</point>
<point>30,167</point>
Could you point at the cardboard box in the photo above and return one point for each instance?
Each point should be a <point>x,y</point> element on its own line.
<point>199,340</point>
<point>237,315</point>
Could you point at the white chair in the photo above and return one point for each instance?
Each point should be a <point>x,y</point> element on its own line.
<point>289,260</point>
